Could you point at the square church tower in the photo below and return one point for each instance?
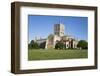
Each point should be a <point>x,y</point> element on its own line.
<point>59,29</point>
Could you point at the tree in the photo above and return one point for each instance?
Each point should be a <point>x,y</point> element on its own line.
<point>33,45</point>
<point>60,45</point>
<point>82,44</point>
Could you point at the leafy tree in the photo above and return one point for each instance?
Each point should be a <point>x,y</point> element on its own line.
<point>33,45</point>
<point>60,45</point>
<point>83,44</point>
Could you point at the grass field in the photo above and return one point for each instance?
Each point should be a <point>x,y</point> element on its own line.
<point>47,54</point>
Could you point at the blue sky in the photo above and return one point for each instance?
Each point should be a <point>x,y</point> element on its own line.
<point>42,26</point>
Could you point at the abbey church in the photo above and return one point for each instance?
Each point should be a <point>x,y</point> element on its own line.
<point>59,35</point>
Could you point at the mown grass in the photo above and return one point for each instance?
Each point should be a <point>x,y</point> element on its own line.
<point>47,54</point>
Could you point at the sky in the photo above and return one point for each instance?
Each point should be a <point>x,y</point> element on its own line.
<point>40,26</point>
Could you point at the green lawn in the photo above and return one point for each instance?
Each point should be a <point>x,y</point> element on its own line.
<point>47,54</point>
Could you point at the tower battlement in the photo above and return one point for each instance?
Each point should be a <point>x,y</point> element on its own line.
<point>59,29</point>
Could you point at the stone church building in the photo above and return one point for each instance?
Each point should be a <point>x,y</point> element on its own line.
<point>59,35</point>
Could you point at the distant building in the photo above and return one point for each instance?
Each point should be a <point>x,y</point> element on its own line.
<point>59,35</point>
<point>59,29</point>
